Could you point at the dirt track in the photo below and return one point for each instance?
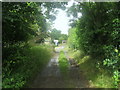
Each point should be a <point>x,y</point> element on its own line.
<point>51,77</point>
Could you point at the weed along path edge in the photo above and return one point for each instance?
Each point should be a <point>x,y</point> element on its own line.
<point>51,76</point>
<point>75,79</point>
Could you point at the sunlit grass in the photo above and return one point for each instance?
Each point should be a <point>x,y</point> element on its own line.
<point>63,64</point>
<point>98,78</point>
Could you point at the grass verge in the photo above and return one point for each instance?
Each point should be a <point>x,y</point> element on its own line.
<point>98,77</point>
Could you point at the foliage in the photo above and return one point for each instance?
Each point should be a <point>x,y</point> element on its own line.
<point>98,34</point>
<point>63,37</point>
<point>99,37</point>
<point>73,39</point>
<point>63,63</point>
<point>22,21</point>
<point>32,62</point>
<point>19,23</point>
<point>56,35</point>
<point>97,77</point>
<point>73,10</point>
<point>50,11</point>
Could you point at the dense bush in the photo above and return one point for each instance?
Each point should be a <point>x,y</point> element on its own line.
<point>73,39</point>
<point>21,22</point>
<point>98,34</point>
<point>33,60</point>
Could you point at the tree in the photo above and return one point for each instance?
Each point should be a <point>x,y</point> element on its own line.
<point>63,37</point>
<point>55,34</point>
<point>73,39</point>
<point>22,22</point>
<point>98,34</point>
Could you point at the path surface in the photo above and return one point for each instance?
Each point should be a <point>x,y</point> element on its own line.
<point>51,77</point>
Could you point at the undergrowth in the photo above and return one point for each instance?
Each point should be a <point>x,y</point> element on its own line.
<point>34,59</point>
<point>98,76</point>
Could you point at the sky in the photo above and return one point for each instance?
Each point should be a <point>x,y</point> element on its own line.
<point>62,21</point>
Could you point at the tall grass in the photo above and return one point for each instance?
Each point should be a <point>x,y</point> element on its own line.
<point>34,60</point>
<point>97,77</point>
